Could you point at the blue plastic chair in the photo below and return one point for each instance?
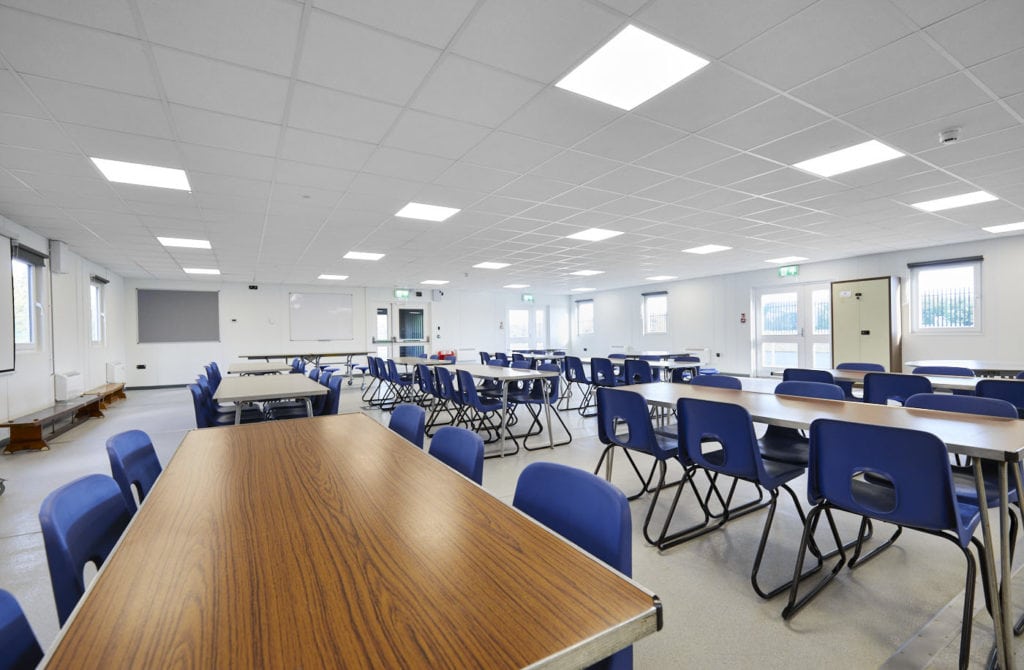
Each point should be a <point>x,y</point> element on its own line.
<point>534,400</point>
<point>449,398</point>
<point>637,372</point>
<point>134,463</point>
<point>21,650</point>
<point>409,421</point>
<point>484,413</point>
<point>739,456</point>
<point>602,373</point>
<point>587,511</point>
<point>460,449</point>
<point>333,395</point>
<point>949,370</point>
<point>882,387</point>
<point>576,376</point>
<point>920,496</point>
<point>1005,389</point>
<point>81,523</point>
<point>616,407</point>
<point>863,367</point>
<point>807,375</point>
<point>789,445</point>
<point>718,381</point>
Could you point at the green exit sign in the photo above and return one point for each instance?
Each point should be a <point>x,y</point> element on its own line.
<point>527,297</point>
<point>789,271</point>
<point>402,293</point>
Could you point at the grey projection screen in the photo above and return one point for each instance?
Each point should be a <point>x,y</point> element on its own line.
<point>178,316</point>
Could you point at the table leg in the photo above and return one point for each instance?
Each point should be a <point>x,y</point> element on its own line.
<point>1005,563</point>
<point>238,413</point>
<point>986,533</point>
<point>547,412</point>
<point>504,415</point>
<point>309,406</point>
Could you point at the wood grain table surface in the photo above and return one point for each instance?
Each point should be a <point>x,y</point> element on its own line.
<point>332,542</point>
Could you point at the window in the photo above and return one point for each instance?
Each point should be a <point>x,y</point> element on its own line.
<point>585,317</point>
<point>97,310</point>
<point>25,324</point>
<point>655,312</point>
<point>947,295</point>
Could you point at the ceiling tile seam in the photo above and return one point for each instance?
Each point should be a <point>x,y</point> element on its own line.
<point>60,127</point>
<point>67,22</point>
<point>147,48</point>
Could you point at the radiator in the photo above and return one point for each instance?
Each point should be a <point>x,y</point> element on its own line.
<point>115,373</point>
<point>68,385</point>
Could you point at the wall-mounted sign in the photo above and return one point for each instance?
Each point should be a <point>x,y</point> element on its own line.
<point>789,271</point>
<point>402,293</point>
<point>527,297</point>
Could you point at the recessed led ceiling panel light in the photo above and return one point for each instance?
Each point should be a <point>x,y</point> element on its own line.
<point>201,271</point>
<point>184,243</point>
<point>488,265</point>
<point>782,260</point>
<point>707,249</point>
<point>633,67</point>
<point>1005,228</point>
<point>142,175</point>
<point>587,273</point>
<point>961,200</point>
<point>362,256</point>
<point>417,210</point>
<point>861,155</point>
<point>661,278</point>
<point>582,289</point>
<point>435,282</point>
<point>516,286</point>
<point>594,234</point>
<point>334,277</point>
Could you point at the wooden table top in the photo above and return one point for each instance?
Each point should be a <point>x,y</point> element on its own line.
<point>978,436</point>
<point>332,542</point>
<point>266,387</point>
<point>257,367</point>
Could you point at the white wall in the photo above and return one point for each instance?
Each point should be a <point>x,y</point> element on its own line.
<point>706,311</point>
<point>256,322</point>
<point>65,335</point>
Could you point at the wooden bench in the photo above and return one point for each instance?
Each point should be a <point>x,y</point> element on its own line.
<point>108,393</point>
<point>27,431</point>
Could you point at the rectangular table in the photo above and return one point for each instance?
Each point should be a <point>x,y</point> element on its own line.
<point>313,358</point>
<point>258,368</point>
<point>415,360</point>
<point>333,542</point>
<point>982,368</point>
<point>506,376</point>
<point>983,438</point>
<point>267,387</point>
<point>939,382</point>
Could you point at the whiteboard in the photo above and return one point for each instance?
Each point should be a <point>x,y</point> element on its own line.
<point>6,307</point>
<point>320,316</point>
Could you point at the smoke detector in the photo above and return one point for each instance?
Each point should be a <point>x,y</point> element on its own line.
<point>949,136</point>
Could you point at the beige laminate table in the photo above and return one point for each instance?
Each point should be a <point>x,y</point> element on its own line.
<point>939,382</point>
<point>333,542</point>
<point>993,439</point>
<point>982,368</point>
<point>506,376</point>
<point>267,387</point>
<point>257,368</point>
<point>415,360</point>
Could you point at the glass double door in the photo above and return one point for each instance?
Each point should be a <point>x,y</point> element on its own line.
<point>401,330</point>
<point>793,328</point>
<point>527,328</point>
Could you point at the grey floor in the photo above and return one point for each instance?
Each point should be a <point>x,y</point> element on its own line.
<point>899,611</point>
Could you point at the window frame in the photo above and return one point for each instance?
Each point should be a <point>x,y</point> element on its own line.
<point>33,342</point>
<point>916,269</point>
<point>579,324</point>
<point>97,310</point>
<point>646,313</point>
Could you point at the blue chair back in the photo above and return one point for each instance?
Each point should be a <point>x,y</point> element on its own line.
<point>460,449</point>
<point>501,356</point>
<point>966,404</point>
<point>408,421</point>
<point>133,462</point>
<point>197,405</point>
<point>467,389</point>
<point>81,523</point>
<point>951,370</point>
<point>916,464</point>
<point>325,376</point>
<point>298,366</point>
<point>330,407</point>
<point>630,408</point>
<point>638,371</point>
<point>807,375</point>
<point>314,373</point>
<point>498,363</point>
<point>864,367</point>
<point>485,357</point>
<point>730,425</point>
<point>21,650</point>
<point>445,385</point>
<point>521,364</point>
<point>881,387</point>
<point>1009,390</point>
<point>810,390</point>
<point>718,381</point>
<point>587,511</point>
<point>425,379</point>
<point>517,357</point>
<point>617,356</point>
<point>602,372</point>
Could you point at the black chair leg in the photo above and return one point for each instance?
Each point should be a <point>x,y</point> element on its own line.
<point>795,604</point>
<point>766,531</point>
